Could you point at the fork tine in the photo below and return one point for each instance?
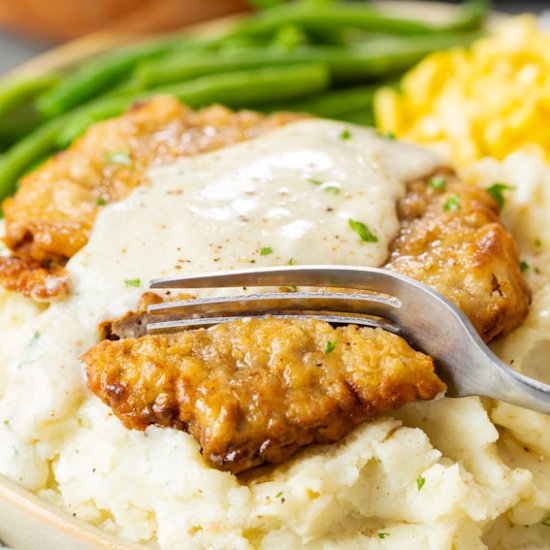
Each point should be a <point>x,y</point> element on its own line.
<point>340,318</point>
<point>428,320</point>
<point>373,304</point>
<point>364,278</point>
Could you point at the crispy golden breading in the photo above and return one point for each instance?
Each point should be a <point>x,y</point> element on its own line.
<point>453,241</point>
<point>256,391</point>
<point>40,281</point>
<point>50,217</point>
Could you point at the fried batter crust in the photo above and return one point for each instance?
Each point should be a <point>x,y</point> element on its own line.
<point>465,253</point>
<point>50,217</point>
<point>256,391</point>
<point>39,281</point>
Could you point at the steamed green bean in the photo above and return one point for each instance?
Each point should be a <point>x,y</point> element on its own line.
<point>376,58</point>
<point>238,89</point>
<point>17,91</point>
<point>331,104</point>
<point>15,161</point>
<point>253,88</point>
<point>327,17</point>
<point>102,73</point>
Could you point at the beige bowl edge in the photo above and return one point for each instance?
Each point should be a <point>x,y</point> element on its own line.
<point>29,523</point>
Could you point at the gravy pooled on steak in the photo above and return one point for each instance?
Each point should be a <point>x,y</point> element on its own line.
<point>50,216</point>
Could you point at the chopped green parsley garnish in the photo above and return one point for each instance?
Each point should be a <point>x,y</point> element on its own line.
<point>523,266</point>
<point>325,186</point>
<point>314,181</point>
<point>365,234</point>
<point>345,135</point>
<point>497,191</point>
<point>420,481</point>
<point>330,346</point>
<point>266,251</point>
<point>118,157</point>
<point>100,201</point>
<point>35,338</point>
<point>438,183</point>
<point>279,494</point>
<point>330,189</point>
<point>132,282</point>
<point>546,522</point>
<point>383,535</point>
<point>291,261</point>
<point>452,203</point>
<point>6,422</point>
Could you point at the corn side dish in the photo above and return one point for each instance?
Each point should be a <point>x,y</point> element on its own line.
<point>488,100</point>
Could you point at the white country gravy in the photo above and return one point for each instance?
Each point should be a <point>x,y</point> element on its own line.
<point>287,194</point>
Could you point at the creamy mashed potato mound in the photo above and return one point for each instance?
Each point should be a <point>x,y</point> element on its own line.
<point>447,474</point>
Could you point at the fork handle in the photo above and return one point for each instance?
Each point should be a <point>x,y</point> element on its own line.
<point>523,391</point>
<point>485,374</point>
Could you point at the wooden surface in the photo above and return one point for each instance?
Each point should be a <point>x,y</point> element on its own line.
<point>63,19</point>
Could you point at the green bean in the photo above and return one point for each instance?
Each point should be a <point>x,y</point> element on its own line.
<point>12,131</point>
<point>19,122</point>
<point>81,119</point>
<point>332,104</point>
<point>15,161</point>
<point>17,91</point>
<point>102,73</point>
<point>264,4</point>
<point>326,18</point>
<point>36,164</point>
<point>289,38</point>
<point>238,89</point>
<point>364,117</point>
<point>386,56</point>
<point>253,88</point>
<point>376,58</point>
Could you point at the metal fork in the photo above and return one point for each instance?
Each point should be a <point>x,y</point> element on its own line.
<point>427,320</point>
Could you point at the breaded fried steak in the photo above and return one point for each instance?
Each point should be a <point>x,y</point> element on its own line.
<point>451,239</point>
<point>50,217</point>
<point>256,391</point>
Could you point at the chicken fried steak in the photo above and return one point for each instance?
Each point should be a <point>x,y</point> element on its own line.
<point>50,217</point>
<point>256,391</point>
<point>453,241</point>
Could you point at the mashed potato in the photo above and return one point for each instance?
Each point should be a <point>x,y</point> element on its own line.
<point>448,474</point>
